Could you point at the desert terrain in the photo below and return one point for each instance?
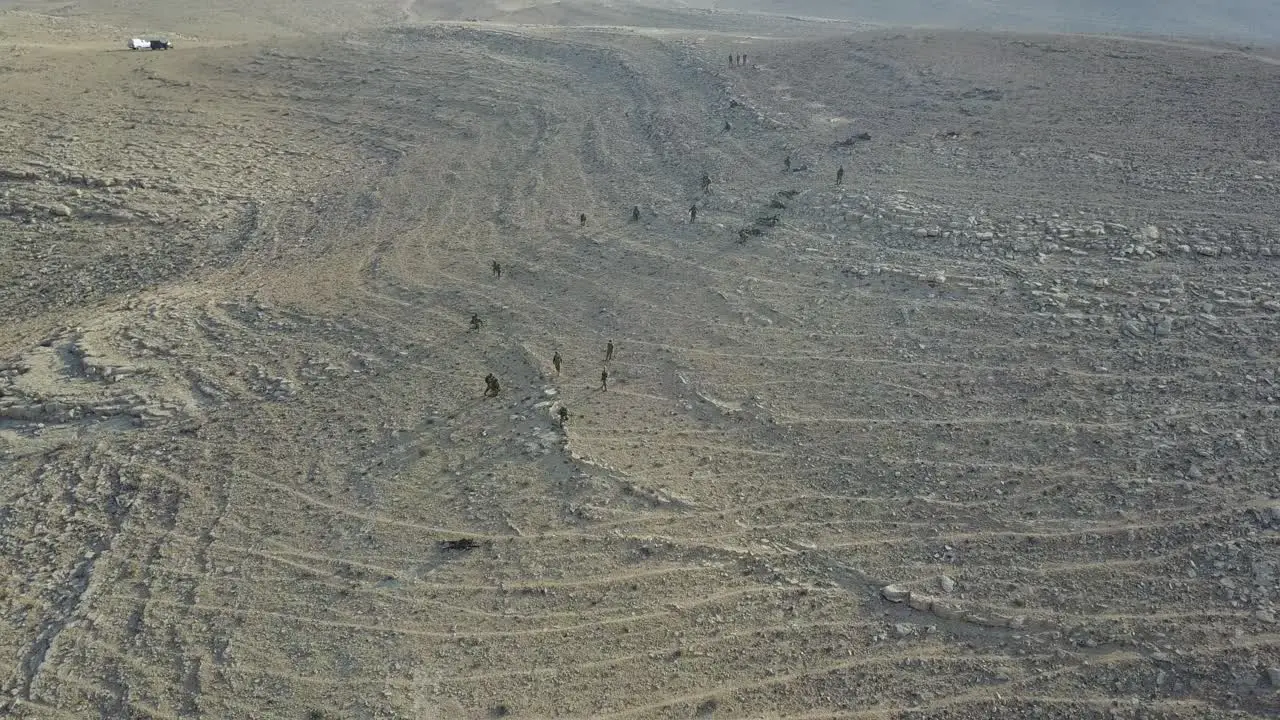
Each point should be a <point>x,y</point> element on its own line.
<point>986,429</point>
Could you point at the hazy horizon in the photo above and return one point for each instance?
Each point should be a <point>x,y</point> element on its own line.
<point>1240,19</point>
<point>1253,21</point>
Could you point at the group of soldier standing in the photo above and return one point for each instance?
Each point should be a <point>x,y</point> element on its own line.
<point>492,386</point>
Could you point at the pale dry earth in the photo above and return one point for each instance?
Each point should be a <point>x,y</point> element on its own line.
<point>1020,367</point>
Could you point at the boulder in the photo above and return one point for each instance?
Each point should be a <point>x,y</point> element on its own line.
<point>895,593</point>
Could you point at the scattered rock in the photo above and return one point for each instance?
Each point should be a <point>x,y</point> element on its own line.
<point>853,139</point>
<point>923,603</point>
<point>1272,514</point>
<point>947,610</point>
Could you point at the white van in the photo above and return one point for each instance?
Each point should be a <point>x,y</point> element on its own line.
<point>140,44</point>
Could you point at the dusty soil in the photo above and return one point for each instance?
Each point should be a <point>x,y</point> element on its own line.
<point>989,429</point>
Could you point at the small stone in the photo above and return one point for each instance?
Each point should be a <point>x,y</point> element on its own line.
<point>946,583</point>
<point>895,593</point>
<point>1150,232</point>
<point>1273,674</point>
<point>903,629</point>
<point>60,210</point>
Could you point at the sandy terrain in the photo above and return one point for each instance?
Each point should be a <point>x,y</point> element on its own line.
<point>989,429</point>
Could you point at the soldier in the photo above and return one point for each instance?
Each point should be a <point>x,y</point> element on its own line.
<point>787,163</point>
<point>563,412</point>
<point>476,322</point>
<point>555,360</point>
<point>582,219</point>
<point>693,212</point>
<point>732,59</point>
<point>604,380</point>
<point>744,59</point>
<point>706,182</point>
<point>840,175</point>
<point>635,213</point>
<point>727,126</point>
<point>497,269</point>
<point>608,351</point>
<point>491,386</point>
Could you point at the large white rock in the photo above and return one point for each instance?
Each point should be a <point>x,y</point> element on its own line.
<point>895,593</point>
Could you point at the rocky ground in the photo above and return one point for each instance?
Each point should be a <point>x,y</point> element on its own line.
<point>987,429</point>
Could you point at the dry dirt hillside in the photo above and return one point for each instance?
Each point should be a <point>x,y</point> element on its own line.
<point>986,429</point>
